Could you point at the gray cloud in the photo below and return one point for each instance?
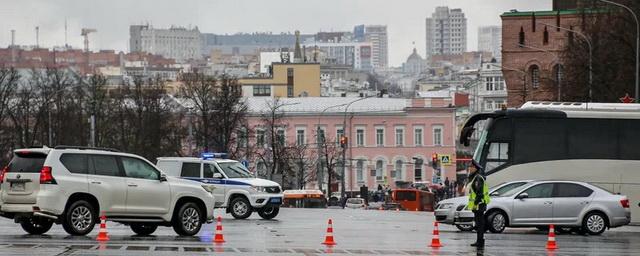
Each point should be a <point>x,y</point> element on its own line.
<point>404,18</point>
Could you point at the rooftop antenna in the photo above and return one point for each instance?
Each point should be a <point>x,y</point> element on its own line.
<point>37,37</point>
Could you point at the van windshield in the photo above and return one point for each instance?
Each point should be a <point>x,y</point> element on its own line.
<point>235,170</point>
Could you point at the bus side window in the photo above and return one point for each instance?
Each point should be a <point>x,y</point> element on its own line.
<point>498,155</point>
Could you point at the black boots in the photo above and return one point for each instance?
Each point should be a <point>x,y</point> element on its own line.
<point>478,244</point>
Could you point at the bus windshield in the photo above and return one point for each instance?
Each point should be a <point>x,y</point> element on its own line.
<point>483,139</point>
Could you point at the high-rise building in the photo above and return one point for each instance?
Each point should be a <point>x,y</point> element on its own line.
<point>377,36</point>
<point>250,43</point>
<point>446,32</point>
<point>176,42</point>
<point>490,40</point>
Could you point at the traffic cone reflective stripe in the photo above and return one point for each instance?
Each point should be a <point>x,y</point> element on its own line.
<point>551,241</point>
<point>435,241</point>
<point>102,234</point>
<point>328,239</point>
<point>219,238</point>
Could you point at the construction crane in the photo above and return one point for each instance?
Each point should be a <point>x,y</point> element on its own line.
<point>85,32</point>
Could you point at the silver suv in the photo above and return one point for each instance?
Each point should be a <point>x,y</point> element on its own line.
<point>73,186</point>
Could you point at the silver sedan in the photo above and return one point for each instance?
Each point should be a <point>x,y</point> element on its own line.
<point>446,209</point>
<point>566,204</point>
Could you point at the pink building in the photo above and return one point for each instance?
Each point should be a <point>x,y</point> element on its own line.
<point>389,139</point>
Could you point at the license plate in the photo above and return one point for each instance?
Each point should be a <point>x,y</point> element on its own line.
<point>274,200</point>
<point>15,186</point>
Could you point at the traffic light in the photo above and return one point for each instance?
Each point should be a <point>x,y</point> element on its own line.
<point>434,160</point>
<point>344,141</point>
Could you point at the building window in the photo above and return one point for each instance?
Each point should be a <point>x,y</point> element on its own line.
<point>399,136</point>
<point>521,37</point>
<point>379,169</point>
<point>242,138</point>
<point>280,137</point>
<point>398,169</point>
<point>260,138</point>
<point>300,139</point>
<point>262,90</point>
<point>290,91</point>
<point>320,136</point>
<point>545,36</point>
<point>498,83</point>
<point>535,76</point>
<point>488,83</point>
<point>417,171</point>
<point>339,134</point>
<point>417,137</point>
<point>360,170</point>
<point>437,135</point>
<point>360,137</point>
<point>380,137</point>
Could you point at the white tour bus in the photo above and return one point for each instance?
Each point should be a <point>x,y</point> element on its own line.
<point>597,143</point>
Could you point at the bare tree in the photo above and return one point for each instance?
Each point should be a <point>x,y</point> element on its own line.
<point>9,79</point>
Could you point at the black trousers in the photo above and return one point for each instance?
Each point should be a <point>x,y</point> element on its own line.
<point>478,217</point>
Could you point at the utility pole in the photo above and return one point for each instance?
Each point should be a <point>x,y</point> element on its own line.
<point>344,149</point>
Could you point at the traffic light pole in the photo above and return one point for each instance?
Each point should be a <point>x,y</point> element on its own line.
<point>344,151</point>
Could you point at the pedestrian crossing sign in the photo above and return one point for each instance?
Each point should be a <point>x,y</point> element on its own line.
<point>445,159</point>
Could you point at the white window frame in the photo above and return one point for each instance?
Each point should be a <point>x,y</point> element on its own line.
<point>338,134</point>
<point>433,131</point>
<point>284,135</point>
<point>361,142</point>
<point>324,133</point>
<point>420,142</point>
<point>264,137</point>
<point>380,172</point>
<point>383,132</point>
<point>304,136</point>
<point>360,170</point>
<point>399,143</point>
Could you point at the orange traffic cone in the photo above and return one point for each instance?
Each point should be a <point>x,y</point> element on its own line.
<point>328,239</point>
<point>551,241</point>
<point>218,238</point>
<point>103,235</point>
<point>435,241</point>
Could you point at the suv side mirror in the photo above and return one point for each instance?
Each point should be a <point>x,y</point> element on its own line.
<point>163,177</point>
<point>217,175</point>
<point>522,196</point>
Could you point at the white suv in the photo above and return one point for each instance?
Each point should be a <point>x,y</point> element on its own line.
<point>73,186</point>
<point>232,184</point>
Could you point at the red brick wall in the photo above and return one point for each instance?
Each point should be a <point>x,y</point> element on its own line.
<point>522,58</point>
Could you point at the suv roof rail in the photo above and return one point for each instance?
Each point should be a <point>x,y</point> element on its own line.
<point>86,148</point>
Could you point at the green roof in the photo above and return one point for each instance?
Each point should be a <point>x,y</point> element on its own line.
<point>550,13</point>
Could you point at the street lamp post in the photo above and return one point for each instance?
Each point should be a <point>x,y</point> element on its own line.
<point>635,17</point>
<point>344,150</point>
<point>586,39</point>
<point>320,142</point>
<point>273,151</point>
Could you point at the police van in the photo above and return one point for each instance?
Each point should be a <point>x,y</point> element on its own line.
<point>232,185</point>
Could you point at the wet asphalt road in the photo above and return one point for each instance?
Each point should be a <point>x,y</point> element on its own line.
<point>301,231</point>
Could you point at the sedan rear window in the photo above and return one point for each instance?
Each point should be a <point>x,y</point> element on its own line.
<point>27,163</point>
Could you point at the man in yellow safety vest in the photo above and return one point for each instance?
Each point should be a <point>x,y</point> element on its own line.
<point>478,200</point>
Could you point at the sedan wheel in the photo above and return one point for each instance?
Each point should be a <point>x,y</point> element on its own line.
<point>497,222</point>
<point>465,227</point>
<point>594,223</point>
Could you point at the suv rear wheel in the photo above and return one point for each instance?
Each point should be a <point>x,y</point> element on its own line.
<point>79,218</point>
<point>37,226</point>
<point>188,220</point>
<point>268,212</point>
<point>240,208</point>
<point>143,229</point>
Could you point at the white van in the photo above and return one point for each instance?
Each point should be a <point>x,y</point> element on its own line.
<point>231,183</point>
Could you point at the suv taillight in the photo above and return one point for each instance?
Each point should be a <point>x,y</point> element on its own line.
<point>45,176</point>
<point>624,203</point>
<point>2,172</point>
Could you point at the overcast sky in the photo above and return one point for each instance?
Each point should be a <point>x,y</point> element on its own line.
<point>405,18</point>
